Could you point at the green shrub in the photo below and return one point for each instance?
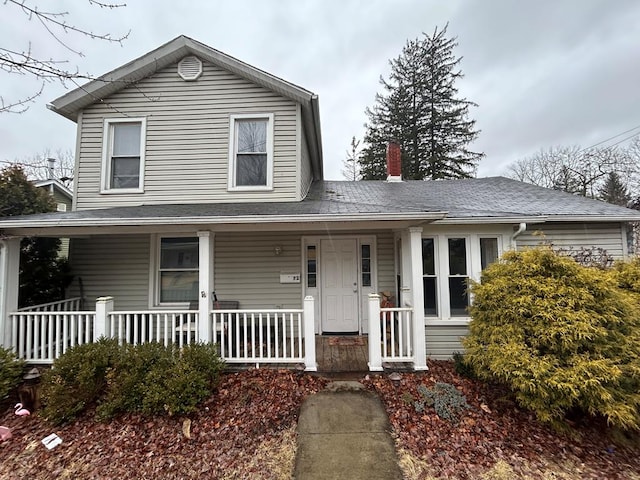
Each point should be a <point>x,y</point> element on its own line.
<point>78,379</point>
<point>148,378</point>
<point>155,379</point>
<point>560,335</point>
<point>10,372</point>
<point>461,365</point>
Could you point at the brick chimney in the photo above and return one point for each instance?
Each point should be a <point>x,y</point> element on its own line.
<point>394,162</point>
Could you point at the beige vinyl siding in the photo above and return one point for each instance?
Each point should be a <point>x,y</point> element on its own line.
<point>444,340</point>
<point>386,263</point>
<point>187,139</point>
<point>114,265</point>
<point>609,236</point>
<point>248,270</point>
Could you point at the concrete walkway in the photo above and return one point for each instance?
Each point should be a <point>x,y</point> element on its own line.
<point>343,433</point>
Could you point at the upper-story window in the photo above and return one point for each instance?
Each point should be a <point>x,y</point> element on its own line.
<point>123,155</point>
<point>251,152</point>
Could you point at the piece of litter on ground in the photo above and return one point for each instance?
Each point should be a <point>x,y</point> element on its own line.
<point>51,441</point>
<point>5,433</point>
<point>186,428</point>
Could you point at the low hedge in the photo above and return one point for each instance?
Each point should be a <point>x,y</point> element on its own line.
<point>150,379</point>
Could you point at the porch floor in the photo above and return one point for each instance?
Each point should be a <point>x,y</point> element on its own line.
<point>336,354</point>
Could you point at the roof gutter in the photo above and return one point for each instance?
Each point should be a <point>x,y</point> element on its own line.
<point>208,220</point>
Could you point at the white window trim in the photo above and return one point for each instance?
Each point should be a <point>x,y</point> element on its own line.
<point>154,270</point>
<point>444,317</point>
<point>107,140</point>
<point>232,151</point>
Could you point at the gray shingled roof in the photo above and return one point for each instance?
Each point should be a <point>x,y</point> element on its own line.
<point>476,197</point>
<point>491,199</point>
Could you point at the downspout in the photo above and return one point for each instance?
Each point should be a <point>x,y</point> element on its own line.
<point>521,229</point>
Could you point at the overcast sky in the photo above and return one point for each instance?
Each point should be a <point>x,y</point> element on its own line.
<point>543,72</point>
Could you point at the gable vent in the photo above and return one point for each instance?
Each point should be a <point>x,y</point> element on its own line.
<point>190,68</point>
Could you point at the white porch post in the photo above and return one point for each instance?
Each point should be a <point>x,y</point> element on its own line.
<point>205,255</point>
<point>417,299</point>
<point>310,364</point>
<point>102,327</point>
<point>375,337</point>
<point>9,273</point>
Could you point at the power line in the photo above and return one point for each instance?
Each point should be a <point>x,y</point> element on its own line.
<point>611,138</point>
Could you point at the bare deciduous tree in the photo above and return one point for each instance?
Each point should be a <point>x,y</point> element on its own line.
<point>351,170</point>
<point>36,167</point>
<point>25,61</point>
<point>579,171</point>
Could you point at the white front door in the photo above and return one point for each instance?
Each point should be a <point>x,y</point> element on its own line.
<point>339,259</point>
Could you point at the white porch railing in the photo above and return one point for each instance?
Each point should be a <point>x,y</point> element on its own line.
<point>68,305</point>
<point>260,336</point>
<point>397,334</point>
<point>176,326</point>
<point>391,334</point>
<point>41,337</point>
<point>244,336</point>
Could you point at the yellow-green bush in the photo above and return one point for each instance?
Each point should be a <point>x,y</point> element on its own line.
<point>562,336</point>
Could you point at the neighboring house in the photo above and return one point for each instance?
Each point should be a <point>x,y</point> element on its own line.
<point>196,173</point>
<point>63,197</point>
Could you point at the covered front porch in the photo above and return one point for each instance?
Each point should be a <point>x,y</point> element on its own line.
<point>277,293</point>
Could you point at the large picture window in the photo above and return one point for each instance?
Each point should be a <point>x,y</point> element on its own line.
<point>250,150</point>
<point>123,155</point>
<point>178,270</point>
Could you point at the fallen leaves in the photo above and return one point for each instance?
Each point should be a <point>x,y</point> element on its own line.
<point>494,438</point>
<point>251,413</point>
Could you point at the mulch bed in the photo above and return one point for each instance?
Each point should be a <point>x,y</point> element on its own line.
<point>493,429</point>
<point>253,408</point>
<point>248,409</point>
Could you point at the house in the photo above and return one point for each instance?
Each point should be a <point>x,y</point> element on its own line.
<point>200,212</point>
<point>62,196</point>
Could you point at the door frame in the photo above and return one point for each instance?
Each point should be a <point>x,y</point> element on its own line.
<point>362,293</point>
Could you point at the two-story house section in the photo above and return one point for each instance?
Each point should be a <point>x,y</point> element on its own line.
<point>188,124</point>
<point>197,173</point>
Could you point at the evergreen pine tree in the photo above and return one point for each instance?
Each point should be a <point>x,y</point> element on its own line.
<point>421,111</point>
<point>614,191</point>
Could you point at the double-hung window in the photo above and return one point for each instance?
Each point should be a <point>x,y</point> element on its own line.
<point>429,277</point>
<point>178,270</point>
<point>458,277</point>
<point>251,152</point>
<point>123,155</point>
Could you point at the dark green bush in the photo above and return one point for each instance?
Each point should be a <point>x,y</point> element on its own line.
<point>155,379</point>
<point>562,336</point>
<point>148,378</point>
<point>461,365</point>
<point>10,372</point>
<point>78,379</point>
